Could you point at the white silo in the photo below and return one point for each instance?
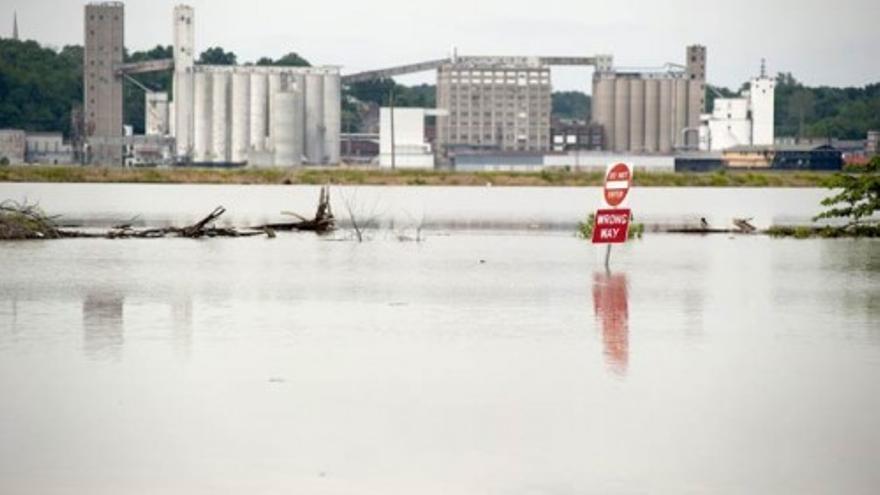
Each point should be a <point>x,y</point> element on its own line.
<point>680,93</point>
<point>274,86</point>
<point>637,116</point>
<point>621,114</point>
<point>259,107</point>
<point>284,129</point>
<point>315,117</point>
<point>220,117</point>
<point>184,96</point>
<point>298,84</point>
<point>241,103</point>
<point>665,137</point>
<point>762,102</point>
<point>652,109</point>
<point>202,110</point>
<point>332,117</point>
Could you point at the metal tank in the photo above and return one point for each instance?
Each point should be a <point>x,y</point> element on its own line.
<point>284,130</point>
<point>240,110</point>
<point>202,109</point>
<point>259,104</point>
<point>220,117</point>
<point>652,108</point>
<point>332,117</point>
<point>603,107</point>
<point>637,115</point>
<point>314,149</point>
<point>664,128</point>
<point>680,91</point>
<point>621,114</point>
<point>274,78</point>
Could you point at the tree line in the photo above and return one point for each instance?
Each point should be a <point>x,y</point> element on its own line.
<point>39,86</point>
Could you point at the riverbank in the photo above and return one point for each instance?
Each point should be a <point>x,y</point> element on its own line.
<point>358,176</point>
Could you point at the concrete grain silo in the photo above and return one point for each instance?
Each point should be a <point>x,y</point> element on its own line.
<point>284,130</point>
<point>332,117</point>
<point>603,106</point>
<point>315,118</point>
<point>202,109</point>
<point>220,116</point>
<point>696,99</point>
<point>680,94</point>
<point>259,106</point>
<point>274,87</point>
<point>183,121</point>
<point>621,114</point>
<point>637,115</point>
<point>298,83</point>
<point>665,128</point>
<point>240,116</point>
<point>652,113</point>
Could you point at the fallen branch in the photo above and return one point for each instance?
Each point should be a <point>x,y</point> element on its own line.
<point>322,222</point>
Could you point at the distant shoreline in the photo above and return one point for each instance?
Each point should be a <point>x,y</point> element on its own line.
<point>360,176</point>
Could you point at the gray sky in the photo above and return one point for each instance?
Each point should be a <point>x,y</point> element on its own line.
<point>822,43</point>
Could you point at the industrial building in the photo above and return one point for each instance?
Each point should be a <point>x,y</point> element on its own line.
<point>276,116</point>
<point>793,157</point>
<point>490,103</point>
<point>651,111</point>
<point>498,103</point>
<point>256,115</point>
<point>744,121</point>
<point>402,142</point>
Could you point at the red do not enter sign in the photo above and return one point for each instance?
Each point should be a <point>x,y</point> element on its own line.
<point>618,180</point>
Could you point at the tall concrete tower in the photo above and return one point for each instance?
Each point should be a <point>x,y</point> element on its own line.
<point>696,102</point>
<point>184,60</point>
<point>762,101</point>
<point>102,88</point>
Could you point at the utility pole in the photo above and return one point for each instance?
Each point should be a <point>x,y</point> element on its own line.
<point>391,104</point>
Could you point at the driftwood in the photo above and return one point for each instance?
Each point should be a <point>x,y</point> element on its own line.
<point>202,228</point>
<point>322,222</point>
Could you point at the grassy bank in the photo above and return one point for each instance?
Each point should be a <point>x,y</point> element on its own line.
<point>402,177</point>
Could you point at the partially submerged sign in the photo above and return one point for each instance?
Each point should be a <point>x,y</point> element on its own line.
<point>612,223</point>
<point>611,226</point>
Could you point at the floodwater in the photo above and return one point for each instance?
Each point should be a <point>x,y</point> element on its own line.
<point>477,361</point>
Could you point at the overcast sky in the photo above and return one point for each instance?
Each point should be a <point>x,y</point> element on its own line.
<point>821,42</point>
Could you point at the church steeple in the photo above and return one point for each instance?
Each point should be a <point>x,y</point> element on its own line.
<point>15,25</point>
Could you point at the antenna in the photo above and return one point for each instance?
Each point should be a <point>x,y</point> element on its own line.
<point>763,68</point>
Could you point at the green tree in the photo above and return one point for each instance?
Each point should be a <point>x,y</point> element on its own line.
<point>859,196</point>
<point>571,105</point>
<point>217,56</point>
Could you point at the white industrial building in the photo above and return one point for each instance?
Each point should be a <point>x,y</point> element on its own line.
<point>743,121</point>
<point>260,115</point>
<point>410,148</point>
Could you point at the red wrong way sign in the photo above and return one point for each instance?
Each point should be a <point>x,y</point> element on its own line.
<point>611,226</point>
<point>618,179</point>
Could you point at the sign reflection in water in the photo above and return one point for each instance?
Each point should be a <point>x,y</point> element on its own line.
<point>611,307</point>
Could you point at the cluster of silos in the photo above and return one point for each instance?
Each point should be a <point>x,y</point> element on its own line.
<point>269,115</point>
<point>647,112</point>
